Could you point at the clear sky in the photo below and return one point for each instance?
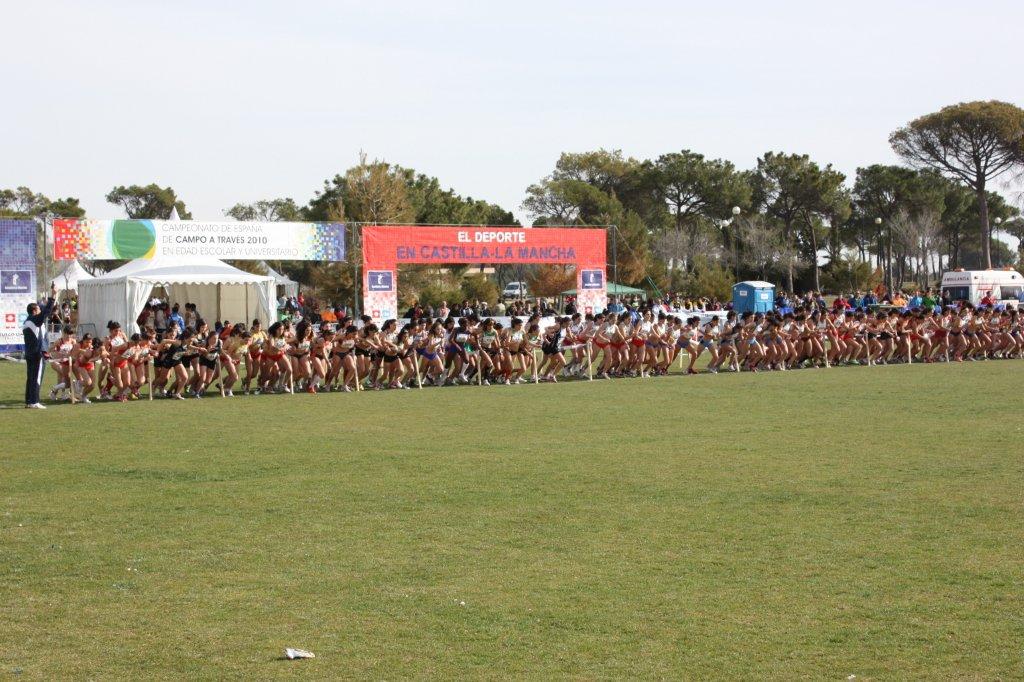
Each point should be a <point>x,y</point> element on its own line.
<point>232,102</point>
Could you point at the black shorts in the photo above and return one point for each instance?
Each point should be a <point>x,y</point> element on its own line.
<point>390,358</point>
<point>207,363</point>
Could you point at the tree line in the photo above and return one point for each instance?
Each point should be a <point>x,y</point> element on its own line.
<point>682,217</point>
<point>683,222</point>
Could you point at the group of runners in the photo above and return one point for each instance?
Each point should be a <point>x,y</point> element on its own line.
<point>360,355</point>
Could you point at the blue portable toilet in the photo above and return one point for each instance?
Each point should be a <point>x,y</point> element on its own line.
<point>753,297</point>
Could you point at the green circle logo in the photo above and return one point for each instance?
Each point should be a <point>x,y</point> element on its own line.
<point>132,239</point>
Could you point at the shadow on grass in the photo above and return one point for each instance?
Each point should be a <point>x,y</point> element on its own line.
<point>20,403</point>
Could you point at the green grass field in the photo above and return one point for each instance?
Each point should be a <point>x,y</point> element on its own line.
<point>812,524</point>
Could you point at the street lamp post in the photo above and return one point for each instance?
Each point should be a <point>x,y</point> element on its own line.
<point>997,221</point>
<point>881,249</point>
<point>736,240</point>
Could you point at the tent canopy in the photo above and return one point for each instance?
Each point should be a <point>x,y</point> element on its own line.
<point>291,287</point>
<point>614,290</point>
<point>219,291</point>
<point>68,278</point>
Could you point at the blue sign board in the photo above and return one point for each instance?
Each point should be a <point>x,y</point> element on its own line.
<point>380,280</point>
<point>17,279</point>
<point>593,279</point>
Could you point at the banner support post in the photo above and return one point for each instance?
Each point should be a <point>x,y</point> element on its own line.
<point>615,254</point>
<point>357,281</point>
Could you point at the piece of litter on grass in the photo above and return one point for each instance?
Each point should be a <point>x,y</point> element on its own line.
<point>851,677</point>
<point>298,653</point>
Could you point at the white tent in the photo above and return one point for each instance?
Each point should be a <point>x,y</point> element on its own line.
<point>291,287</point>
<point>219,291</point>
<point>68,278</point>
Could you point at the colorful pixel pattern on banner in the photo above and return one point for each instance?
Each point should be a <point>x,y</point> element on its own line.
<point>17,280</point>
<point>130,239</point>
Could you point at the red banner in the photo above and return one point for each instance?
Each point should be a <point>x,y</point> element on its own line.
<point>396,244</point>
<point>386,247</point>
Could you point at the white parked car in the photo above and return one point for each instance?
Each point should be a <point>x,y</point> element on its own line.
<point>514,290</point>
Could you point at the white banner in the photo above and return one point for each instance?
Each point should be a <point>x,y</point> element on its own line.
<point>131,239</point>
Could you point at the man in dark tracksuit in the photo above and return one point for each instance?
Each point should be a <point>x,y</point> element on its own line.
<point>35,345</point>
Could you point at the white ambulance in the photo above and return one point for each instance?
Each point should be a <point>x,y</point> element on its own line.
<point>973,285</point>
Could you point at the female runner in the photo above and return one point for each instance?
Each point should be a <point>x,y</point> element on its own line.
<point>236,351</point>
<point>343,360</point>
<point>515,348</point>
<point>210,350</point>
<point>297,353</point>
<point>84,362</point>
<point>391,368</point>
<point>254,359</point>
<point>61,359</point>
<point>709,336</point>
<point>551,346</point>
<point>277,370</point>
<point>320,356</point>
<point>436,344</point>
<point>487,340</point>
<point>119,377</point>
<point>139,364</point>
